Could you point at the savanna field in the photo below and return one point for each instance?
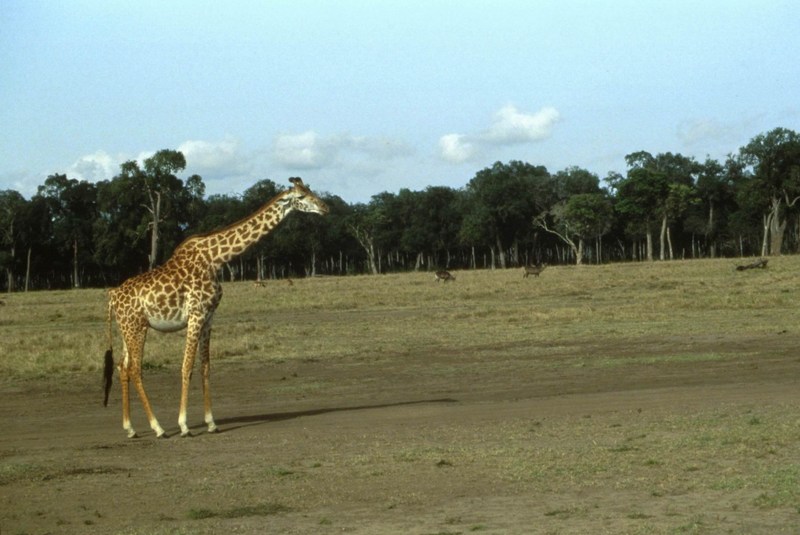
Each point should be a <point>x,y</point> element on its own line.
<point>623,398</point>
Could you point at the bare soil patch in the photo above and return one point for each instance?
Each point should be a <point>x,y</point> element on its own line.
<point>431,442</point>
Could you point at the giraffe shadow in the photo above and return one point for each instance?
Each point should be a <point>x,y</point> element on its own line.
<point>237,422</point>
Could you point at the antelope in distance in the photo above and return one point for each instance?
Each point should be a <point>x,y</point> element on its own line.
<point>444,276</point>
<point>533,270</point>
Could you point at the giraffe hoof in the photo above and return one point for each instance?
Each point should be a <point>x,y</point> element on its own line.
<point>187,434</point>
<point>213,430</point>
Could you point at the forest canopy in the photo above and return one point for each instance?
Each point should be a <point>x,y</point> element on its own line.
<point>74,233</point>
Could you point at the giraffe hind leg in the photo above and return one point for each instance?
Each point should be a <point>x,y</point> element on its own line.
<point>131,369</point>
<point>124,380</point>
<point>137,382</point>
<point>205,360</point>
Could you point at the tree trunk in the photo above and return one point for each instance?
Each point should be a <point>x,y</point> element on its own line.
<point>712,245</point>
<point>10,271</point>
<point>28,269</point>
<point>649,234</point>
<point>662,238</point>
<point>501,253</point>
<point>10,268</point>
<point>765,222</point>
<point>669,244</point>
<point>156,211</point>
<point>777,228</point>
<point>418,263</point>
<point>76,283</point>
<point>364,238</point>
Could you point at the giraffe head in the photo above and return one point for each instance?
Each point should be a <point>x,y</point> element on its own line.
<point>301,198</point>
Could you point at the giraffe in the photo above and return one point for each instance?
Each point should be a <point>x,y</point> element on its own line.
<point>184,293</point>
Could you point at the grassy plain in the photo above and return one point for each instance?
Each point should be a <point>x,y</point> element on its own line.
<point>371,317</point>
<point>625,398</point>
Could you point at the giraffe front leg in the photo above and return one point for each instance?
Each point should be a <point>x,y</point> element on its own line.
<point>186,377</point>
<point>190,352</point>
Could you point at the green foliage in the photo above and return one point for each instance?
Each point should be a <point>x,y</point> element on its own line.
<point>501,202</point>
<point>589,214</point>
<point>77,233</point>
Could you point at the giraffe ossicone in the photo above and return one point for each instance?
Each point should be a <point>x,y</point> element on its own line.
<point>183,293</point>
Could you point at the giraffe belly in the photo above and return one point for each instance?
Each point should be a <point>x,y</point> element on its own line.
<point>167,324</point>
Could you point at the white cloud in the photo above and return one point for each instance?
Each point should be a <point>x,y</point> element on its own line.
<point>95,167</point>
<point>455,148</point>
<point>209,159</point>
<point>702,131</point>
<point>509,126</point>
<point>310,150</point>
<point>209,155</point>
<point>512,126</point>
<point>303,151</point>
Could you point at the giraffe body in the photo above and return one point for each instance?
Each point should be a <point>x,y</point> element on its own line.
<point>184,292</point>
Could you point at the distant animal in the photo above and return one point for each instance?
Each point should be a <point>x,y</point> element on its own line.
<point>444,276</point>
<point>758,264</point>
<point>260,284</point>
<point>533,270</point>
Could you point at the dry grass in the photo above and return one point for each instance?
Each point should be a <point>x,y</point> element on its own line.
<point>718,467</point>
<point>372,317</point>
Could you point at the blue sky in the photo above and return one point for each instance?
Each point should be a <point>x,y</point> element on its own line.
<point>360,97</point>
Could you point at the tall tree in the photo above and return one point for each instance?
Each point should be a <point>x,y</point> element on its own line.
<point>363,224</point>
<point>583,216</point>
<point>12,205</point>
<point>160,181</point>
<point>774,164</point>
<point>139,201</point>
<point>656,190</point>
<point>73,207</point>
<point>714,190</point>
<point>120,229</point>
<point>502,201</point>
<point>571,218</point>
<point>638,194</point>
<point>35,233</point>
<point>437,219</point>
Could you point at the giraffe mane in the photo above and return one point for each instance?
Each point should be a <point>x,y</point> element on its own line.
<point>297,181</point>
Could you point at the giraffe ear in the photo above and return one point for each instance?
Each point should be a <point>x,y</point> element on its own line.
<point>297,181</point>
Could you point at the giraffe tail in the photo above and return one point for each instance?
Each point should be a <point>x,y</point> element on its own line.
<point>108,374</point>
<point>108,367</point>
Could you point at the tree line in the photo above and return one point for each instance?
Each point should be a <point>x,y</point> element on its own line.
<point>73,233</point>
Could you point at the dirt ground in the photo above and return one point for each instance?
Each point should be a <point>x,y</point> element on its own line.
<point>394,446</point>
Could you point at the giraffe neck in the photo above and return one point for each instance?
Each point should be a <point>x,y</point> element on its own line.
<point>221,247</point>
